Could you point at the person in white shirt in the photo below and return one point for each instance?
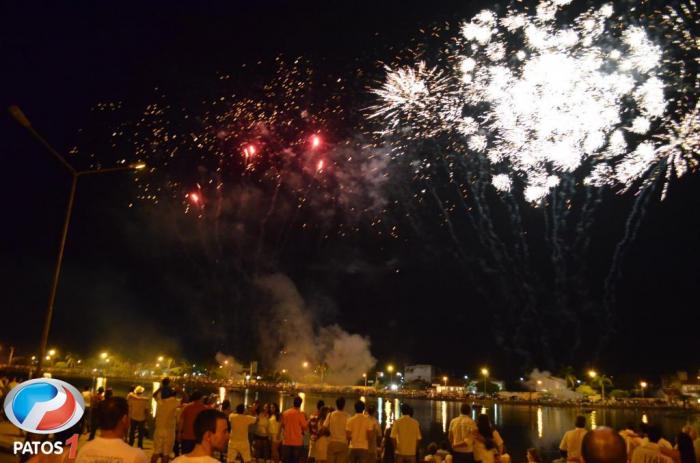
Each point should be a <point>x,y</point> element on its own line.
<point>650,451</point>
<point>338,442</point>
<point>461,435</point>
<point>405,435</point>
<point>238,442</point>
<point>570,446</point>
<point>603,445</point>
<point>358,429</point>
<point>167,405</point>
<point>138,410</point>
<point>113,423</point>
<point>210,433</point>
<point>375,434</point>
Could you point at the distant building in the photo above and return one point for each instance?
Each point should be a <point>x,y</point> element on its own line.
<point>418,373</point>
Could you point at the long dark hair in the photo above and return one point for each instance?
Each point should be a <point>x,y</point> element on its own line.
<point>484,426</point>
<point>685,447</point>
<point>274,411</point>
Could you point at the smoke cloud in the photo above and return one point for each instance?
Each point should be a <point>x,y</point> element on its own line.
<point>309,353</point>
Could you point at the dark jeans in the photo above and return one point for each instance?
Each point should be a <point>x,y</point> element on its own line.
<point>186,446</point>
<point>93,423</point>
<point>139,426</point>
<point>291,453</point>
<point>462,457</point>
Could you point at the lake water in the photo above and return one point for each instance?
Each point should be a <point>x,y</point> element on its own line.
<point>521,426</point>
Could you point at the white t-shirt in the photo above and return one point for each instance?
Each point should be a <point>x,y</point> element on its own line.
<point>101,450</point>
<point>358,426</point>
<point>461,429</point>
<point>239,427</point>
<point>484,455</point>
<point>407,434</point>
<point>571,442</point>
<point>649,453</point>
<point>166,413</point>
<point>186,459</point>
<point>336,423</point>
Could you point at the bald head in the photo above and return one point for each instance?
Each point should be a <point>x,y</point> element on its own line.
<point>603,445</point>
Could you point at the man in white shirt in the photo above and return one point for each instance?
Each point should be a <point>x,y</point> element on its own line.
<point>570,446</point>
<point>405,434</point>
<point>138,410</point>
<point>238,442</point>
<point>651,451</point>
<point>358,429</point>
<point>167,405</point>
<point>113,422</point>
<point>461,435</point>
<point>336,422</point>
<point>210,434</point>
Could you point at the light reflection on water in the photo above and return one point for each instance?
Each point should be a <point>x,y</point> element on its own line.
<point>521,426</point>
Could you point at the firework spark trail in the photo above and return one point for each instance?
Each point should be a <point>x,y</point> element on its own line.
<point>632,225</point>
<point>602,100</point>
<point>450,226</point>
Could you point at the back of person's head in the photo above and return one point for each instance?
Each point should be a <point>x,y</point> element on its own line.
<point>465,409</point>
<point>196,395</point>
<point>240,408</point>
<point>297,401</point>
<point>109,392</point>
<point>603,445</point>
<point>165,382</point>
<point>340,403</point>
<point>100,389</point>
<point>111,411</point>
<point>580,421</point>
<point>324,413</point>
<point>484,425</point>
<point>226,404</point>
<point>206,422</point>
<point>405,409</point>
<point>653,433</point>
<point>533,455</point>
<point>684,444</point>
<point>643,428</point>
<point>432,448</point>
<point>359,406</point>
<point>690,430</point>
<point>371,410</point>
<point>320,404</point>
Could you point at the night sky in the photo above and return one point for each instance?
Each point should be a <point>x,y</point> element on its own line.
<point>125,283</point>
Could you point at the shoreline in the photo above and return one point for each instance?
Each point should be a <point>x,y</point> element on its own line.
<point>368,391</point>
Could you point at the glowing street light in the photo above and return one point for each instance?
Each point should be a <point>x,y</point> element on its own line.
<point>390,369</point>
<point>643,385</point>
<point>160,358</point>
<point>444,380</point>
<point>485,373</point>
<point>364,375</point>
<point>592,374</point>
<point>305,364</point>
<point>104,355</point>
<point>52,352</point>
<point>24,121</point>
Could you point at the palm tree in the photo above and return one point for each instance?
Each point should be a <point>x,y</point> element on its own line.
<point>569,375</point>
<point>602,382</point>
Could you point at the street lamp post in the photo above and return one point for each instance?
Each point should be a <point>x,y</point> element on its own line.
<point>485,373</point>
<point>22,119</point>
<point>364,375</point>
<point>390,369</point>
<point>444,380</point>
<point>643,385</point>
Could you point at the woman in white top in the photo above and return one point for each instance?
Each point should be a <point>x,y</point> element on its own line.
<point>274,427</point>
<point>488,444</point>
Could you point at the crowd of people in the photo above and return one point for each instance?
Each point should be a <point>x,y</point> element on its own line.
<point>199,429</point>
